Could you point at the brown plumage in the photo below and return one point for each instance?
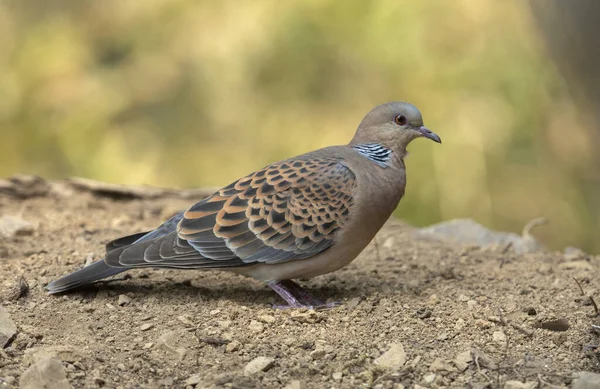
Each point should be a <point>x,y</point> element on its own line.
<point>301,217</point>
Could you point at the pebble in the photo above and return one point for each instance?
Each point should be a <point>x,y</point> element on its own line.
<point>181,343</point>
<point>146,326</point>
<point>67,354</point>
<point>394,358</point>
<point>8,329</point>
<point>123,300</point>
<point>587,380</point>
<point>439,365</point>
<point>318,354</point>
<point>499,337</point>
<point>121,367</point>
<point>185,320</point>
<point>353,303</point>
<point>256,326</point>
<point>194,380</point>
<point>258,364</point>
<point>429,378</point>
<point>520,385</point>
<point>462,360</point>
<point>337,376</point>
<point>309,317</point>
<point>294,384</point>
<point>148,345</point>
<point>233,346</point>
<point>11,226</point>
<point>46,373</point>
<point>268,319</point>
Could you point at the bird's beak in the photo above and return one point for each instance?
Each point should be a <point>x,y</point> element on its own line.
<point>427,133</point>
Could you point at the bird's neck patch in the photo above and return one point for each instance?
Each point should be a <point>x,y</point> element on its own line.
<point>375,152</point>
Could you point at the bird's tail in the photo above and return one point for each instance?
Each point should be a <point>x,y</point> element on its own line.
<point>94,272</point>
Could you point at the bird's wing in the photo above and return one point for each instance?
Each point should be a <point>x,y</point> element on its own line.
<point>288,210</point>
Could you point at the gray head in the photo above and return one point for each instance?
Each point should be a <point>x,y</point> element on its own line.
<point>393,125</point>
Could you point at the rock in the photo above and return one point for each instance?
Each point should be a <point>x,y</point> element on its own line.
<point>146,326</point>
<point>258,364</point>
<point>429,378</point>
<point>268,319</point>
<point>353,303</point>
<point>123,300</point>
<point>576,265</point>
<point>337,376</point>
<point>295,384</point>
<point>318,354</point>
<point>233,346</point>
<point>67,354</point>
<point>587,380</point>
<point>180,343</point>
<point>309,317</point>
<point>8,329</point>
<point>256,327</point>
<point>194,380</point>
<point>520,385</point>
<point>439,365</point>
<point>573,254</point>
<point>483,359</point>
<point>11,226</point>
<point>467,231</point>
<point>46,373</point>
<point>499,337</point>
<point>462,360</point>
<point>24,186</point>
<point>392,359</point>
<point>19,289</point>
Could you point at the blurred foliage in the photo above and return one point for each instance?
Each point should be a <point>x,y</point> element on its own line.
<point>190,93</point>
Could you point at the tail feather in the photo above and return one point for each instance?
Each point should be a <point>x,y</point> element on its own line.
<point>89,274</point>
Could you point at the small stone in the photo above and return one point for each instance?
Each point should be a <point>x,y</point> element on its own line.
<point>471,304</point>
<point>318,354</point>
<point>520,385</point>
<point>181,343</point>
<point>258,364</point>
<point>193,380</point>
<point>294,384</point>
<point>8,329</point>
<point>146,326</point>
<point>462,360</point>
<point>67,354</point>
<point>123,300</point>
<point>576,265</point>
<point>558,325</point>
<point>483,359</point>
<point>337,376</point>
<point>214,312</point>
<point>148,345</point>
<point>392,359</point>
<point>573,253</point>
<point>459,325</point>
<point>439,365</point>
<point>463,299</point>
<point>11,226</point>
<point>224,324</point>
<point>587,380</point>
<point>309,317</point>
<point>185,320</point>
<point>121,367</point>
<point>256,326</point>
<point>268,319</point>
<point>111,307</point>
<point>429,378</point>
<point>46,373</point>
<point>19,289</point>
<point>499,337</point>
<point>353,303</point>
<point>233,346</point>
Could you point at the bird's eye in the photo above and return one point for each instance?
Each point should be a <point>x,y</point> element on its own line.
<point>400,119</point>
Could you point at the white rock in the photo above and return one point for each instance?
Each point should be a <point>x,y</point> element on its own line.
<point>462,360</point>
<point>46,373</point>
<point>499,337</point>
<point>258,364</point>
<point>123,300</point>
<point>587,380</point>
<point>8,329</point>
<point>256,326</point>
<point>11,226</point>
<point>337,376</point>
<point>394,358</point>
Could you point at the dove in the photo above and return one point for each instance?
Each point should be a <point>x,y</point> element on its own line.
<point>297,218</point>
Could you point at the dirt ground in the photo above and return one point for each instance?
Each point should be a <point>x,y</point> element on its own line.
<point>415,311</point>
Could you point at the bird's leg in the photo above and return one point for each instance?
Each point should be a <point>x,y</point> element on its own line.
<point>296,296</point>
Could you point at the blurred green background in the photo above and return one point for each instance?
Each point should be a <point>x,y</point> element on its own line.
<point>180,93</point>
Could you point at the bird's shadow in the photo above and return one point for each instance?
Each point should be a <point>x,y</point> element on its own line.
<point>234,288</point>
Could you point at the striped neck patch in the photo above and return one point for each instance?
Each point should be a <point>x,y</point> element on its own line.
<point>375,152</point>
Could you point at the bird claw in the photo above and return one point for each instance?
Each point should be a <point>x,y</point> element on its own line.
<point>297,298</point>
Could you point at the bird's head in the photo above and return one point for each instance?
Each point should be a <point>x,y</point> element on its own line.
<point>393,125</point>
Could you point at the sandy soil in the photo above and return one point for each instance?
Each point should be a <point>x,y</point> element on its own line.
<point>417,311</point>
